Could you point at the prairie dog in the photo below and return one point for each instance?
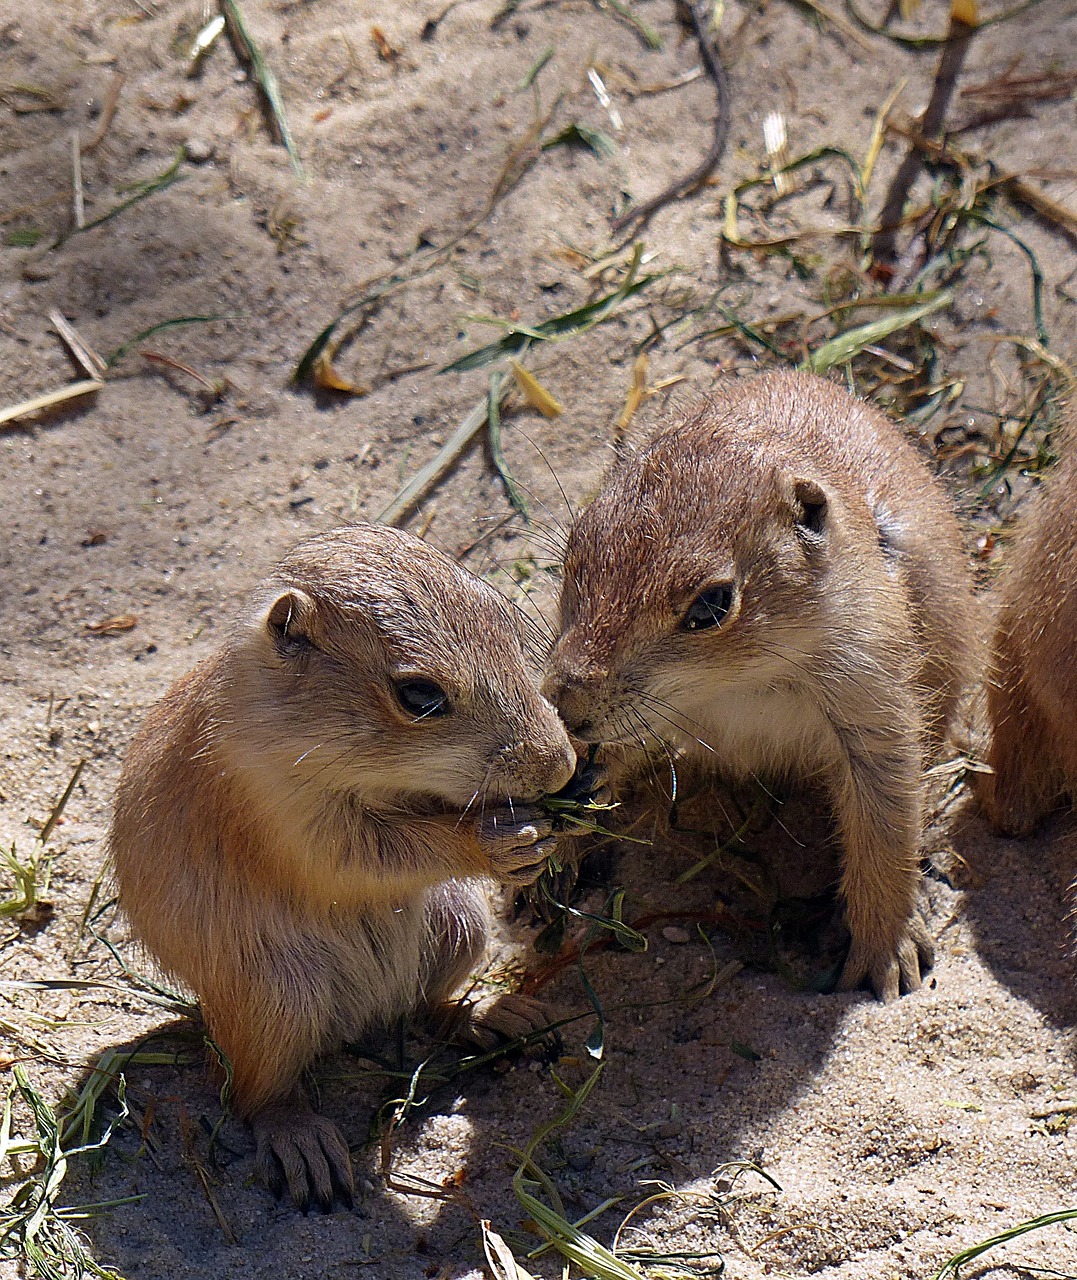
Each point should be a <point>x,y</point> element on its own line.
<point>298,820</point>
<point>777,582</point>
<point>1032,683</point>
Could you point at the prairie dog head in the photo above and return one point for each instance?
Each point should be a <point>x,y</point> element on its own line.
<point>370,663</point>
<point>697,568</point>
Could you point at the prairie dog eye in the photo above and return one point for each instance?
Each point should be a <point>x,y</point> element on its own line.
<point>423,699</point>
<point>710,608</point>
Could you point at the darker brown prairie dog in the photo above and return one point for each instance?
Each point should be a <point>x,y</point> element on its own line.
<point>777,583</point>
<point>1032,682</point>
<point>299,819</point>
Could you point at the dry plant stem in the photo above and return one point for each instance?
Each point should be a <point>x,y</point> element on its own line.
<point>637,216</point>
<point>1049,210</point>
<point>77,198</point>
<point>90,361</point>
<point>47,401</point>
<point>108,113</point>
<point>424,480</point>
<point>953,56</point>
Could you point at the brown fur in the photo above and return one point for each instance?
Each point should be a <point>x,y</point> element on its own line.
<point>851,634</point>
<point>288,839</point>
<point>1032,688</point>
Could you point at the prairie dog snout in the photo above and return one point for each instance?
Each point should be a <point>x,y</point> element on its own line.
<point>775,582</point>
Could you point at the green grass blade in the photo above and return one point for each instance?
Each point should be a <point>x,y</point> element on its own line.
<point>264,76</point>
<point>145,189</point>
<point>950,1270</point>
<point>572,322</point>
<point>845,346</point>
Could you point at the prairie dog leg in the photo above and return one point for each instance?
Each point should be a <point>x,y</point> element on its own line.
<point>878,801</point>
<point>268,1041</point>
<point>458,927</point>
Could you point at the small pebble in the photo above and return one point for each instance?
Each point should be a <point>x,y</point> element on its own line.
<point>674,933</point>
<point>199,150</point>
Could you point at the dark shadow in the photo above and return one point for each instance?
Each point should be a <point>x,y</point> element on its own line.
<point>693,1067</point>
<point>1017,900</point>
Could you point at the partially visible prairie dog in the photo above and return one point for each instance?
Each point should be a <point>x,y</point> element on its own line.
<point>775,582</point>
<point>298,819</point>
<point>1032,682</point>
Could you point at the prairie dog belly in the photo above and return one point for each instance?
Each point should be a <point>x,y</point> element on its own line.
<point>765,730</point>
<point>373,969</point>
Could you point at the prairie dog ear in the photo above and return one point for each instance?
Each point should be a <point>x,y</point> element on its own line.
<point>289,621</point>
<point>811,507</point>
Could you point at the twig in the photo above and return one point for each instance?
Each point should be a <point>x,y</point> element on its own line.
<point>424,480</point>
<point>953,56</point>
<point>53,397</point>
<point>78,200</point>
<point>637,216</point>
<point>108,113</point>
<point>84,354</point>
<point>1042,204</point>
<point>156,358</point>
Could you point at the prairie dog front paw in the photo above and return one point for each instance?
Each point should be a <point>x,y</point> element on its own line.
<point>891,970</point>
<point>517,841</point>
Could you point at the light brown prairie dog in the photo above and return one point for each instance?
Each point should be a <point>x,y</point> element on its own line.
<point>777,583</point>
<point>1032,683</point>
<point>299,819</point>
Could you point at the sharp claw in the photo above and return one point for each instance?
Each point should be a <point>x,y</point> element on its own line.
<point>306,1153</point>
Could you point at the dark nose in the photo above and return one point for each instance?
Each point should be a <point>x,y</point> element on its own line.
<point>575,702</point>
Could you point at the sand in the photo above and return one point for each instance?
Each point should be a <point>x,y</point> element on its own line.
<point>897,1134</point>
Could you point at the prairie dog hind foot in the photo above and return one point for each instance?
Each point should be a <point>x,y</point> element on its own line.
<point>492,1021</point>
<point>304,1152</point>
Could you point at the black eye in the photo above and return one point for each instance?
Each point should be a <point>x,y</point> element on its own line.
<point>423,698</point>
<point>710,608</point>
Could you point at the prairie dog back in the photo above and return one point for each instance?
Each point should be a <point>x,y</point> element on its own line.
<point>1032,683</point>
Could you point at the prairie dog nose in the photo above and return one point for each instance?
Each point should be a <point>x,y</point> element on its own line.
<point>575,700</point>
<point>537,768</point>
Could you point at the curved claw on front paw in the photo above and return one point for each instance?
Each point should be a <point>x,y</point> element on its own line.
<point>305,1152</point>
<point>496,1019</point>
<point>894,971</point>
<point>518,843</point>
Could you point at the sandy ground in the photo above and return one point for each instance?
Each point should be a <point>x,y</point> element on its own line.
<point>897,1134</point>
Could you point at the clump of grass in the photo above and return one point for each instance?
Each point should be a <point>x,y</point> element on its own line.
<point>548,1214</point>
<point>27,902</point>
<point>34,1229</point>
